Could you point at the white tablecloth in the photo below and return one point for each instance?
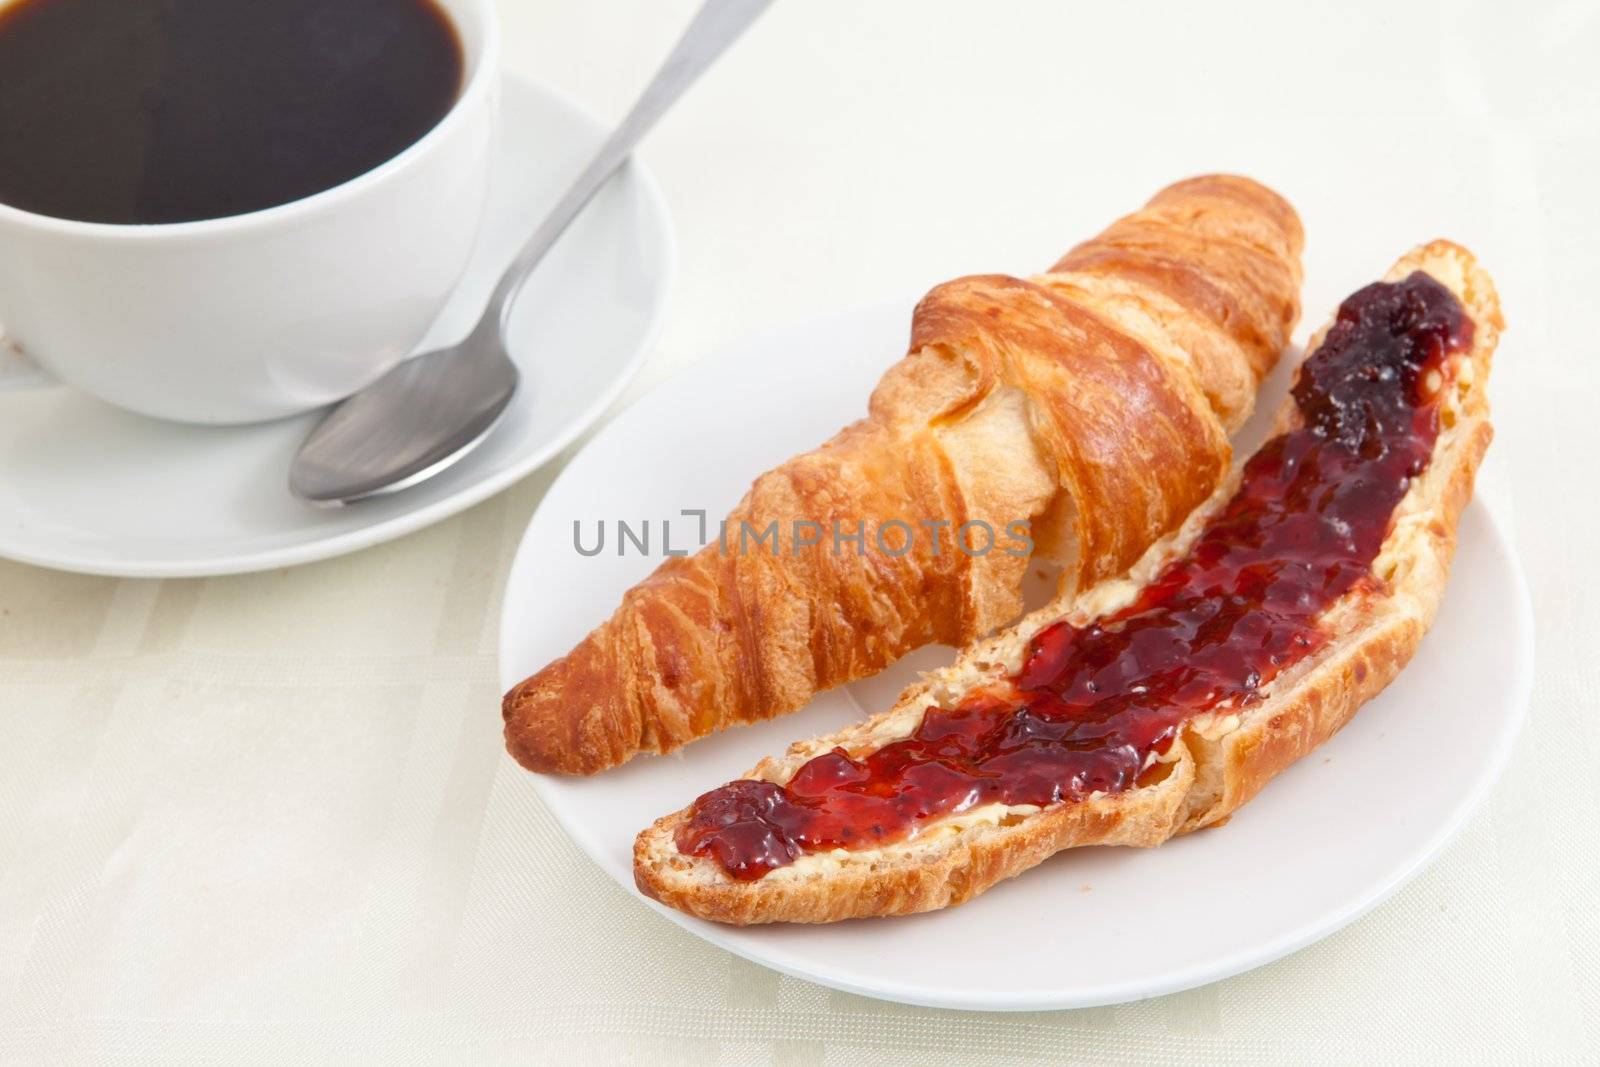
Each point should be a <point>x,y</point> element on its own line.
<point>268,817</point>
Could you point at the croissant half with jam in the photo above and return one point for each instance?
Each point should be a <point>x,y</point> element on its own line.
<point>1156,703</point>
<point>1093,402</point>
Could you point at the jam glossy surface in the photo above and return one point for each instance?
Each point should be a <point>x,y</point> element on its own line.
<point>1092,704</point>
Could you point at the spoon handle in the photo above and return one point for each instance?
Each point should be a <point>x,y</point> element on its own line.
<point>716,25</point>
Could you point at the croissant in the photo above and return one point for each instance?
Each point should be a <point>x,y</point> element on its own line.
<point>1157,702</point>
<point>1084,412</point>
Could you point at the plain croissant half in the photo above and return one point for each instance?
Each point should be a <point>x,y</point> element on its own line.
<point>1092,402</point>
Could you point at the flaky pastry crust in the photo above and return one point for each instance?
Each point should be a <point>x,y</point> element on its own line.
<point>1093,401</point>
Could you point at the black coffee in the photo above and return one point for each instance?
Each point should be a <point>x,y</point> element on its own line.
<point>142,111</point>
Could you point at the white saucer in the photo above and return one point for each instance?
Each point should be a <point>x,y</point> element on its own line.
<point>1329,839</point>
<point>86,487</point>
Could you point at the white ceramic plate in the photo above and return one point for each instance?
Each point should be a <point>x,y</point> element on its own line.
<point>1329,839</point>
<point>86,487</point>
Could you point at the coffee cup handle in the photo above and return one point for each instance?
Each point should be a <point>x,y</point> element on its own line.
<point>17,371</point>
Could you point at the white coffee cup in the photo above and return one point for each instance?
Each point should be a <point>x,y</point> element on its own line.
<point>266,314</point>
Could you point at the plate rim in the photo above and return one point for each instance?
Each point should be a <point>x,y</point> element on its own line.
<point>1470,798</point>
<point>474,493</point>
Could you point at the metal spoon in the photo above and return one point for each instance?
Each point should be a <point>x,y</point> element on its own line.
<point>432,409</point>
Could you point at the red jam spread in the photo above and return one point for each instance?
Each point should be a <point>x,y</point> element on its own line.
<point>1212,629</point>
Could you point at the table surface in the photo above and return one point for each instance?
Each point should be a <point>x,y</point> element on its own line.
<point>250,815</point>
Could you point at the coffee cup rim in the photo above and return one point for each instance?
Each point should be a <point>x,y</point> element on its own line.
<point>479,84</point>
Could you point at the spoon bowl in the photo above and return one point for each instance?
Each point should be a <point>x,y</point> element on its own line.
<point>419,418</point>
